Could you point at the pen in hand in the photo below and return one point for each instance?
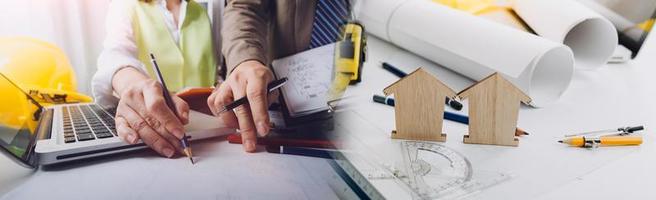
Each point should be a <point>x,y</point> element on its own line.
<point>272,86</point>
<point>169,102</point>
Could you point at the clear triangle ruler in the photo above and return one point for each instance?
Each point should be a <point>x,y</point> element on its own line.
<point>423,170</point>
<point>434,171</point>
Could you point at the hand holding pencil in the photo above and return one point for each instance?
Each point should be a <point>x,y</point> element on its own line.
<point>143,114</point>
<point>184,143</point>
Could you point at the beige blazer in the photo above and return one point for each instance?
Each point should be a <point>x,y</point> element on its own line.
<point>264,30</point>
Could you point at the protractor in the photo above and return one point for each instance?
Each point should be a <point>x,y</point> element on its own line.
<point>433,168</point>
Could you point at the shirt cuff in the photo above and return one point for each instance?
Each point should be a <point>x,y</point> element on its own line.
<point>101,83</point>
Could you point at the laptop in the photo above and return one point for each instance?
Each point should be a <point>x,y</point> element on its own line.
<point>36,135</point>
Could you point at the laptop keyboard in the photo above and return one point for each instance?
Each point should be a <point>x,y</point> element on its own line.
<point>87,122</point>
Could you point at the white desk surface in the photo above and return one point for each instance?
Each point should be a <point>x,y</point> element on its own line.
<point>222,171</point>
<point>613,96</point>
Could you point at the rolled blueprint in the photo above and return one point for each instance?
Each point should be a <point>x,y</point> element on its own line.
<point>591,37</point>
<point>628,17</point>
<point>472,46</point>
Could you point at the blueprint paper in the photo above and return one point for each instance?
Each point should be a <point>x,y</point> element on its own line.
<point>472,46</point>
<point>591,37</point>
<point>222,171</point>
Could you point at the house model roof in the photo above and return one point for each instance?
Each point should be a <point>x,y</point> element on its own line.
<point>418,72</point>
<point>498,78</point>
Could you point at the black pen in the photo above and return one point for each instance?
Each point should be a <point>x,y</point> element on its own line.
<point>273,85</point>
<point>300,151</point>
<point>169,102</point>
<point>396,71</point>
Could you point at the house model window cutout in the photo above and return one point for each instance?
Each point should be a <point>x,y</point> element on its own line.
<point>419,106</point>
<point>493,108</point>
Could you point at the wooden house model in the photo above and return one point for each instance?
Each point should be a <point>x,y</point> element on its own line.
<point>493,108</point>
<point>419,106</point>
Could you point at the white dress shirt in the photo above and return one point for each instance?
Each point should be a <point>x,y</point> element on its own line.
<point>120,48</point>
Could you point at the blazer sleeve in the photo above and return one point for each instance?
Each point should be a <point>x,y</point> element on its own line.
<point>244,32</point>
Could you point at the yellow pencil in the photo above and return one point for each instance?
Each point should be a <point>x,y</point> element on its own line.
<point>604,141</point>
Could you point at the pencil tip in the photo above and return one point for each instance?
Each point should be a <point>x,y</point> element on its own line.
<point>560,141</point>
<point>526,133</point>
<point>192,160</point>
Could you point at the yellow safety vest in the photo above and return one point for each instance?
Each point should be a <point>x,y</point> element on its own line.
<point>192,63</point>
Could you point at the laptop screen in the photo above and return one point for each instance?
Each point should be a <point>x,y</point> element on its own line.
<point>19,116</point>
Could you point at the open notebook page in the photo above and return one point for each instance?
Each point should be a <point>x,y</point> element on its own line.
<point>309,75</point>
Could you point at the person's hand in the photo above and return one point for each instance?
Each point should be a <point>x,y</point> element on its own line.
<point>142,113</point>
<point>249,79</point>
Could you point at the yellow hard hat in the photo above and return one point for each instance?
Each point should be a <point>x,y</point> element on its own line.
<point>16,111</point>
<point>38,66</point>
<point>33,63</point>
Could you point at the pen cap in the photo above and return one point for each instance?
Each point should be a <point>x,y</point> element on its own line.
<point>453,103</point>
<point>634,129</point>
<point>379,99</point>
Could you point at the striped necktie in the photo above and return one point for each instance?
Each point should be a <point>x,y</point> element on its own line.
<point>329,16</point>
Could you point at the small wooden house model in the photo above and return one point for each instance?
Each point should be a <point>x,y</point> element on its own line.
<point>493,108</point>
<point>419,106</point>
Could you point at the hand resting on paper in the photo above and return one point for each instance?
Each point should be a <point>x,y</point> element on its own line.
<point>249,79</point>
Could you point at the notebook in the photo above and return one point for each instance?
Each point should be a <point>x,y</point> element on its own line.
<point>309,73</point>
